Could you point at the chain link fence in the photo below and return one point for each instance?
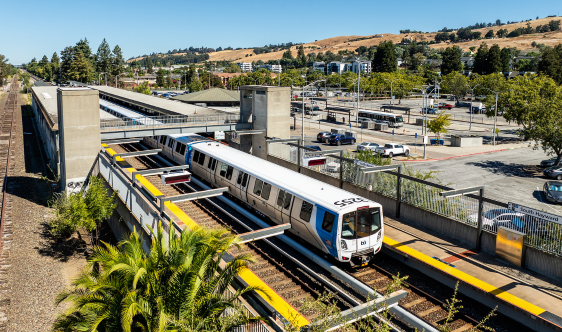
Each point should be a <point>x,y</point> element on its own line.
<point>541,234</point>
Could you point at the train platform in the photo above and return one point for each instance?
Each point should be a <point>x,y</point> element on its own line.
<point>518,292</point>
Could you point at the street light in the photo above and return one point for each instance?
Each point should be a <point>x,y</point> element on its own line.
<point>424,113</point>
<point>471,99</point>
<point>496,112</point>
<point>391,91</point>
<point>302,117</point>
<point>470,190</point>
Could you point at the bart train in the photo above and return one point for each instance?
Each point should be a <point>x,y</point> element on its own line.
<point>347,227</point>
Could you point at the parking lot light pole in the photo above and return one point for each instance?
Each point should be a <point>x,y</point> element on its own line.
<point>470,190</point>
<point>471,99</point>
<point>496,112</point>
<point>391,91</point>
<point>302,116</point>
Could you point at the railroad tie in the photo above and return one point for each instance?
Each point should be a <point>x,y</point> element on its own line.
<point>413,303</point>
<point>463,328</point>
<point>428,311</point>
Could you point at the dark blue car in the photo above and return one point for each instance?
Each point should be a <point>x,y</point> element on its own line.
<point>428,110</point>
<point>340,139</point>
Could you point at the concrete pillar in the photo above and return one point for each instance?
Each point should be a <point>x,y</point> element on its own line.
<point>270,109</point>
<point>79,135</point>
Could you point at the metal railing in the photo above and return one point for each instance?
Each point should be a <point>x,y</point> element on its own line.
<point>163,121</point>
<point>541,234</point>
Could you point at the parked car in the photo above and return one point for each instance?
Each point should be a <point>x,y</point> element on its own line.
<point>553,191</point>
<point>315,147</point>
<point>312,112</point>
<point>554,172</point>
<point>392,149</point>
<point>444,105</point>
<point>477,109</point>
<point>367,146</point>
<point>463,104</point>
<point>340,139</point>
<point>333,167</point>
<point>323,136</point>
<point>502,217</point>
<point>548,162</point>
<point>428,110</point>
<point>296,109</point>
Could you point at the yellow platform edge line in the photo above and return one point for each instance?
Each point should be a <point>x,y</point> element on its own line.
<point>535,310</point>
<point>276,301</point>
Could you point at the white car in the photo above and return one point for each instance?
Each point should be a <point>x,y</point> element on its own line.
<point>392,149</point>
<point>367,146</point>
<point>333,167</point>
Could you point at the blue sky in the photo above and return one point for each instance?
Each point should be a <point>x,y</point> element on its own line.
<point>141,27</point>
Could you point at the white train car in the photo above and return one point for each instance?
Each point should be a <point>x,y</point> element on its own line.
<point>126,114</point>
<point>348,227</point>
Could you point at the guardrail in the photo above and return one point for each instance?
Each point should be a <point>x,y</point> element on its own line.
<point>163,121</point>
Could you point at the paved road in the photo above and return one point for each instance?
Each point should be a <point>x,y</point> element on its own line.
<point>500,172</point>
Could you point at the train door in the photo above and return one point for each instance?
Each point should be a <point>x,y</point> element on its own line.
<point>283,206</point>
<point>301,214</point>
<point>325,221</point>
<point>225,177</point>
<point>241,185</point>
<point>180,152</point>
<point>168,149</point>
<point>211,168</point>
<point>262,192</point>
<point>161,142</point>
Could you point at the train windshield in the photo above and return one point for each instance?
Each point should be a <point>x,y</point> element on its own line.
<point>361,223</point>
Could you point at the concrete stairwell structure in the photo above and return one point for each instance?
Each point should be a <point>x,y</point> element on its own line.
<point>79,135</point>
<point>266,107</point>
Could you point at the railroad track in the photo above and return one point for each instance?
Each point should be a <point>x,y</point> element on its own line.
<point>292,284</point>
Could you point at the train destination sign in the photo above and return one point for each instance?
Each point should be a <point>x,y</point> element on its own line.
<point>535,213</point>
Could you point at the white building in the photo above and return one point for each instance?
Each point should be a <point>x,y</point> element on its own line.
<point>245,66</point>
<point>337,67</point>
<point>364,66</point>
<point>320,65</point>
<point>272,68</point>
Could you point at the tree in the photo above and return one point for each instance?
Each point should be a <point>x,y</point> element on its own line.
<point>104,60</point>
<point>494,60</point>
<point>456,84</point>
<point>81,69</point>
<point>535,103</point>
<point>451,60</point>
<point>117,66</point>
<point>384,60</point>
<point>439,124</point>
<point>149,66</point>
<point>489,34</point>
<point>506,58</point>
<point>67,55</point>
<point>481,60</point>
<point>160,81</point>
<point>288,54</point>
<point>178,285</point>
<point>232,68</point>
<point>551,63</point>
<point>196,85</point>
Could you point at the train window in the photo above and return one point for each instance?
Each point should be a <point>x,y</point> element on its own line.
<point>288,198</point>
<point>244,180</point>
<point>182,149</point>
<point>239,180</point>
<point>223,170</point>
<point>266,191</point>
<point>258,186</point>
<point>178,147</point>
<point>162,139</point>
<point>214,165</point>
<point>328,222</point>
<point>195,156</point>
<point>170,143</point>
<point>306,211</point>
<point>280,198</point>
<point>348,226</point>
<point>201,160</point>
<point>209,164</point>
<point>375,216</point>
<point>229,170</point>
<point>363,223</point>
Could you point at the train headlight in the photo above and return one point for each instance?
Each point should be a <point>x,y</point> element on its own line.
<point>379,236</point>
<point>343,245</point>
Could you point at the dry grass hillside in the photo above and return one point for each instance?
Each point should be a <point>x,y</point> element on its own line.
<point>336,44</point>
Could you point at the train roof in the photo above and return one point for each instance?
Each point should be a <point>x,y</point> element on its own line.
<point>121,110</point>
<point>189,138</point>
<point>300,185</point>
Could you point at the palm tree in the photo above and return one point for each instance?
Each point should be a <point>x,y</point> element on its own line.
<point>179,286</point>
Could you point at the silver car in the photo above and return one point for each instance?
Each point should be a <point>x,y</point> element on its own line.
<point>554,172</point>
<point>367,146</point>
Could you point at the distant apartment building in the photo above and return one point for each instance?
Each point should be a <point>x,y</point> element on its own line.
<point>399,61</point>
<point>272,68</point>
<point>319,65</point>
<point>245,66</point>
<point>467,62</point>
<point>364,66</point>
<point>226,78</point>
<point>337,67</point>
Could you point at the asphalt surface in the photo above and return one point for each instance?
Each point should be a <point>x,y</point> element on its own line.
<point>502,174</point>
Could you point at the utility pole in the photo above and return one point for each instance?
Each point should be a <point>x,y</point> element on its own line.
<point>496,113</point>
<point>471,99</point>
<point>391,91</point>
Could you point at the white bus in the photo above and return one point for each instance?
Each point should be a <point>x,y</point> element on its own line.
<point>393,120</point>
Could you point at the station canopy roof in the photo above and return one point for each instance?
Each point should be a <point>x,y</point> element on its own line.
<point>214,95</point>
